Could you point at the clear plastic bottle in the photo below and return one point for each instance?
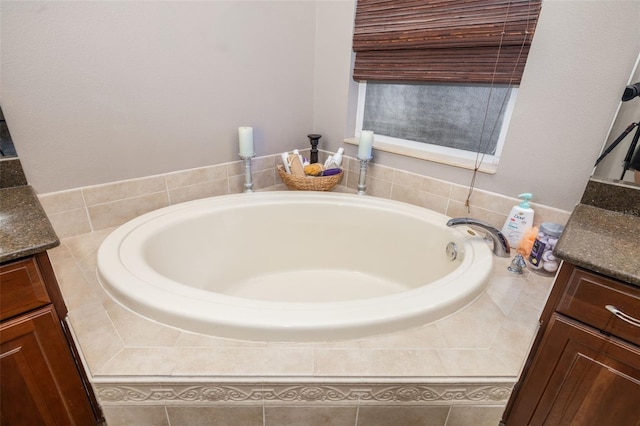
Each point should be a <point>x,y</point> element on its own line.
<point>541,258</point>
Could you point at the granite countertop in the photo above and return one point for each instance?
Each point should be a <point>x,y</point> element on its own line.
<point>603,232</point>
<point>24,226</point>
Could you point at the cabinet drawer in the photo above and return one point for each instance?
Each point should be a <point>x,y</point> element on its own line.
<point>586,298</point>
<point>21,288</point>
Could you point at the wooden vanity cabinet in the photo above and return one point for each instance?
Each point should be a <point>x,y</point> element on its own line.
<point>584,366</point>
<point>41,383</point>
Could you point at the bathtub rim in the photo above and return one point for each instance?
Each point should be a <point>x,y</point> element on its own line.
<point>237,317</point>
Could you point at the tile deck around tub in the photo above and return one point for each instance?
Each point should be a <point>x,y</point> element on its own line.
<point>489,339</point>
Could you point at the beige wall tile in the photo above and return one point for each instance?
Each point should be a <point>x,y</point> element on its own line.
<point>56,202</point>
<point>408,195</point>
<point>376,362</point>
<point>236,168</point>
<point>140,361</point>
<point>135,415</point>
<point>378,188</point>
<point>403,415</point>
<point>484,199</point>
<point>98,338</point>
<point>437,187</point>
<point>70,223</point>
<point>263,178</point>
<point>475,415</point>
<point>248,361</point>
<point>379,172</point>
<point>458,209</point>
<point>474,363</point>
<point>422,183</point>
<point>265,163</point>
<point>351,180</point>
<point>351,164</point>
<point>419,198</point>
<point>549,214</point>
<point>111,192</point>
<point>236,184</point>
<point>215,416</point>
<point>310,416</point>
<point>198,191</point>
<point>196,176</point>
<point>118,212</point>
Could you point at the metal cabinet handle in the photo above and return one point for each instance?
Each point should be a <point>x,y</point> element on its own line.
<point>624,317</point>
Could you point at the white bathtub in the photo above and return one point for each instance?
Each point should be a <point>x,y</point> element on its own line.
<point>293,266</point>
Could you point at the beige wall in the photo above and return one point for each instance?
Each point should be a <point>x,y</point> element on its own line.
<point>581,58</point>
<point>97,92</point>
<point>103,91</point>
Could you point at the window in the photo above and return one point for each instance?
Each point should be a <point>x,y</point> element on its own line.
<point>441,76</point>
<point>438,122</point>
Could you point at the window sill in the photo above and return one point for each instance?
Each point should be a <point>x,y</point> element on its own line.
<point>422,152</point>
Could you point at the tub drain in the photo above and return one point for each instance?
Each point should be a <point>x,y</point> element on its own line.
<point>452,251</point>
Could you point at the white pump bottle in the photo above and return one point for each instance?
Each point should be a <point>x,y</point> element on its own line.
<point>519,221</point>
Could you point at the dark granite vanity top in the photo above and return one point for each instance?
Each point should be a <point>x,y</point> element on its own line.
<point>603,232</point>
<point>24,226</point>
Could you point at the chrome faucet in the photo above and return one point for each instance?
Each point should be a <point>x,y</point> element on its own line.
<point>501,246</point>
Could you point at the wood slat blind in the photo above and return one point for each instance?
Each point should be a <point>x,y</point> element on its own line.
<point>471,41</point>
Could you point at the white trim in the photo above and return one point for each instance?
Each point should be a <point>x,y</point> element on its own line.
<point>437,154</point>
<point>362,93</point>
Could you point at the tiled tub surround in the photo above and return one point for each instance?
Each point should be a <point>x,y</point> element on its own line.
<point>93,208</point>
<point>456,371</point>
<point>146,373</point>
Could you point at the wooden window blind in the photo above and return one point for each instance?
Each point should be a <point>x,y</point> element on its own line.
<point>468,41</point>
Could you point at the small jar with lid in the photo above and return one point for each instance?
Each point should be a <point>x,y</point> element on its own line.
<point>541,258</point>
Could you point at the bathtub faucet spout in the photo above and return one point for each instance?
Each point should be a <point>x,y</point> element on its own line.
<point>501,246</point>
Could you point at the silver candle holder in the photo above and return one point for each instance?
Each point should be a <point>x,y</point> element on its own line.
<point>248,180</point>
<point>362,180</point>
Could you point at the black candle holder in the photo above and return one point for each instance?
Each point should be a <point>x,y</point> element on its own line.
<point>313,140</point>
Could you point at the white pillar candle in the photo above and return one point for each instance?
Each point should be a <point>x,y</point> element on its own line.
<point>246,141</point>
<point>365,145</point>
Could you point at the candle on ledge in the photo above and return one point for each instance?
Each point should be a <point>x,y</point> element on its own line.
<point>246,141</point>
<point>365,145</point>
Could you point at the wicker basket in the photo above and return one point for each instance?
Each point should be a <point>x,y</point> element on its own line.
<point>308,183</point>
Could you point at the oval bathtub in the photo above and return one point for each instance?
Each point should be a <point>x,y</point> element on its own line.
<point>292,266</point>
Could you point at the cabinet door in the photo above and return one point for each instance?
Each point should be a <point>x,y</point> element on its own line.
<point>39,384</point>
<point>22,288</point>
<point>580,377</point>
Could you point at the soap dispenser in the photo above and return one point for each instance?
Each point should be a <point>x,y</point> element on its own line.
<point>519,221</point>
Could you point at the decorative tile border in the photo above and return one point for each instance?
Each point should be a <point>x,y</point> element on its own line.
<point>318,393</point>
